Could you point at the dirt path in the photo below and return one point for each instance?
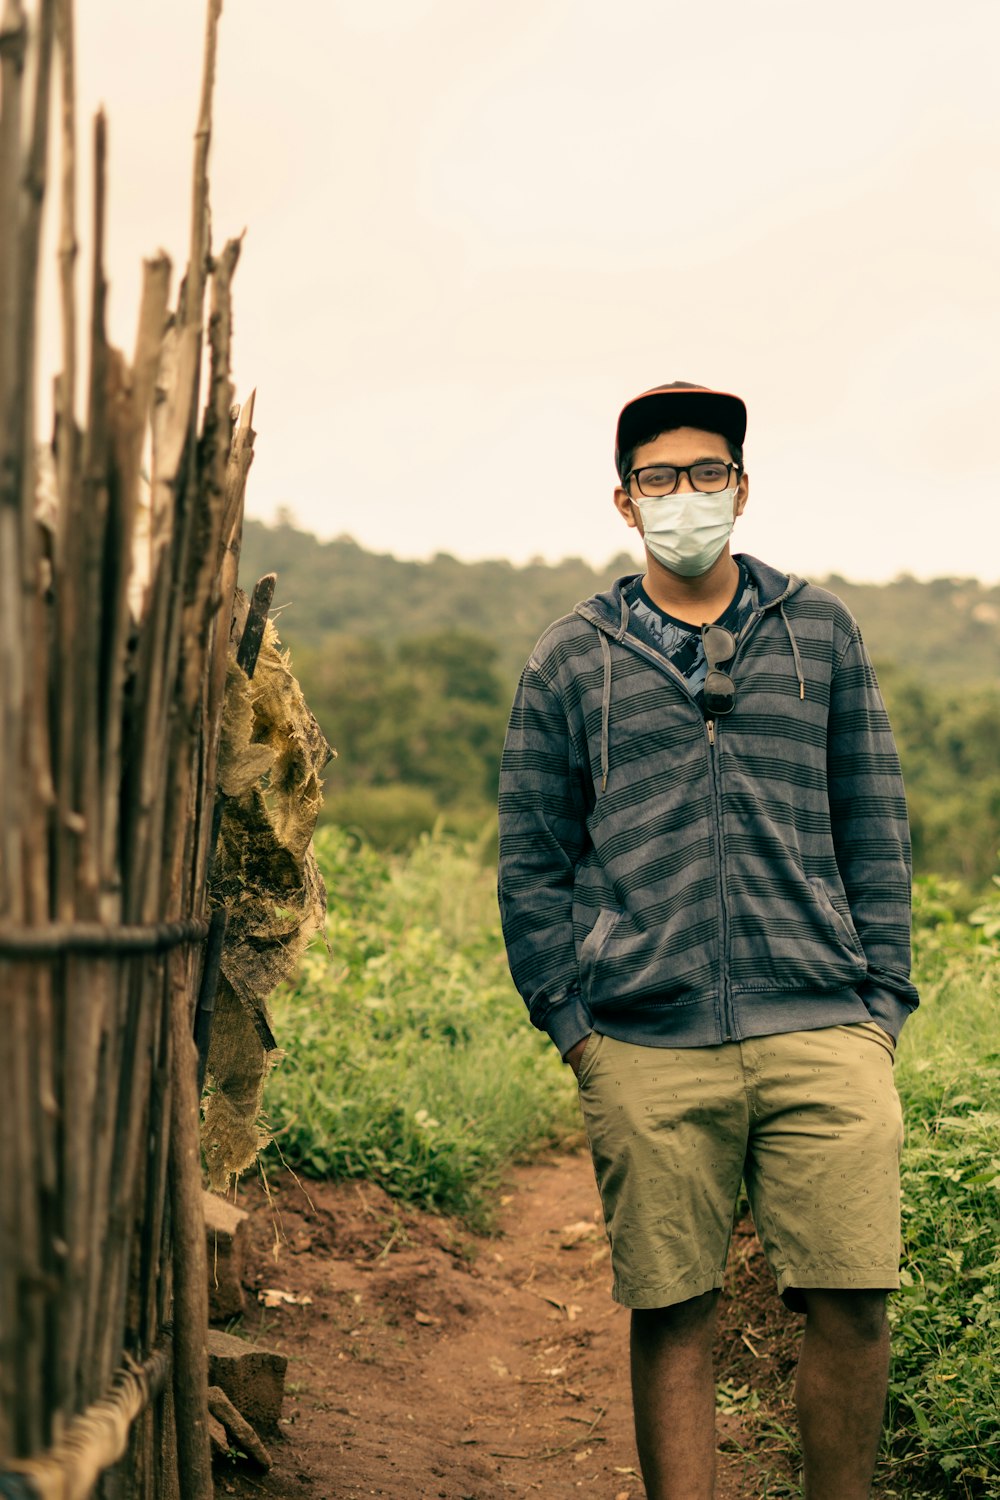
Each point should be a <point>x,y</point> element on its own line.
<point>433,1365</point>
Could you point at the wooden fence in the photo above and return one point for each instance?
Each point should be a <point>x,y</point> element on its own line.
<point>113,656</point>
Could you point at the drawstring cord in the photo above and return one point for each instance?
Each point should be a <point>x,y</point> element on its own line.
<point>795,652</point>
<point>606,696</point>
<point>605,708</point>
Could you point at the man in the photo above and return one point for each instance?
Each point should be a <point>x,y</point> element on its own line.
<point>705,892</point>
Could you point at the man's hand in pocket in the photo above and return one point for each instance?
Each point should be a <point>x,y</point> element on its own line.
<point>575,1053</point>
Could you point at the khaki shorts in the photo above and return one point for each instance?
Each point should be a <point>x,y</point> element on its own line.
<point>810,1120</point>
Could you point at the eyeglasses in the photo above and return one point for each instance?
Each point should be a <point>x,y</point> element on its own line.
<point>709,477</point>
<point>720,689</point>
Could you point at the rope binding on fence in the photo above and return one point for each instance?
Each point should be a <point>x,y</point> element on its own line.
<point>97,938</point>
<point>94,1440</point>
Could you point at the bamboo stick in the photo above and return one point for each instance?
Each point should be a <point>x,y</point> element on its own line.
<point>192,293</point>
<point>118,1223</point>
<point>34,719</point>
<point>205,1010</point>
<point>158,1289</point>
<point>189,1259</point>
<point>216,442</point>
<point>24,1267</point>
<point>12,50</point>
<point>91,541</point>
<point>25,741</point>
<point>13,43</point>
<point>80,1027</point>
<point>66,393</point>
<point>42,1242</point>
<point>206,623</point>
<point>165,1450</point>
<point>128,439</point>
<point>8,1220</point>
<point>237,469</point>
<point>66,557</point>
<point>82,1032</point>
<point>13,40</point>
<point>13,47</point>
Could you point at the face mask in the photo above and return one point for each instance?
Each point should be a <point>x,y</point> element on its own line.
<point>687,532</point>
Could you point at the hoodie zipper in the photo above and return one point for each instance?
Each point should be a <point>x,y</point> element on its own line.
<point>725,989</point>
<point>725,982</point>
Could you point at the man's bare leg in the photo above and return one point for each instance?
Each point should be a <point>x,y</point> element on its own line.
<point>673,1395</point>
<point>840,1391</point>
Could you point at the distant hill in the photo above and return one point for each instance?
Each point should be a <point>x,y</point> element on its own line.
<point>945,632</point>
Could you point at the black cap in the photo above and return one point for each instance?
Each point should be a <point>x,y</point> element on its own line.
<point>678,405</point>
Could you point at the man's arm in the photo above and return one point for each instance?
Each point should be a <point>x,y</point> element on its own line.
<point>543,837</point>
<point>871,834</point>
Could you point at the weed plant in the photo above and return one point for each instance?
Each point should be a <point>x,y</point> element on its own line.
<point>944,1399</point>
<point>410,1058</point>
<point>943,1417</point>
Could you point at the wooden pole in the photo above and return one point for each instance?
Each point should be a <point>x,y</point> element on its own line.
<point>189,1258</point>
<point>193,291</point>
<point>13,44</point>
<point>13,1167</point>
<point>66,561</point>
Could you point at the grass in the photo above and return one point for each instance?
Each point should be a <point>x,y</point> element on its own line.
<point>945,1387</point>
<point>413,1063</point>
<point>942,1435</point>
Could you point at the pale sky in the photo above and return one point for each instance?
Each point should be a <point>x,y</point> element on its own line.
<point>473,230</point>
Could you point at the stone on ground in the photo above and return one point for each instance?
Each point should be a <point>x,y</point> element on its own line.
<point>223,1411</point>
<point>253,1378</point>
<point>217,1435</point>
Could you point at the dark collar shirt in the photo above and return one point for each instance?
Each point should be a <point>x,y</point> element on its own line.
<point>679,641</point>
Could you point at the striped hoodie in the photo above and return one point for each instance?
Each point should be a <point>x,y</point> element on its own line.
<point>676,881</point>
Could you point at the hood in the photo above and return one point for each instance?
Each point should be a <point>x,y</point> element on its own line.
<point>609,613</point>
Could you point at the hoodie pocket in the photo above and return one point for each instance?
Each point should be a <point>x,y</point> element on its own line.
<point>842,928</point>
<point>789,936</point>
<point>594,945</point>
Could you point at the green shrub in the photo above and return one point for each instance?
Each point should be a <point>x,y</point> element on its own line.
<point>390,817</point>
<point>945,1386</point>
<point>410,1058</point>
